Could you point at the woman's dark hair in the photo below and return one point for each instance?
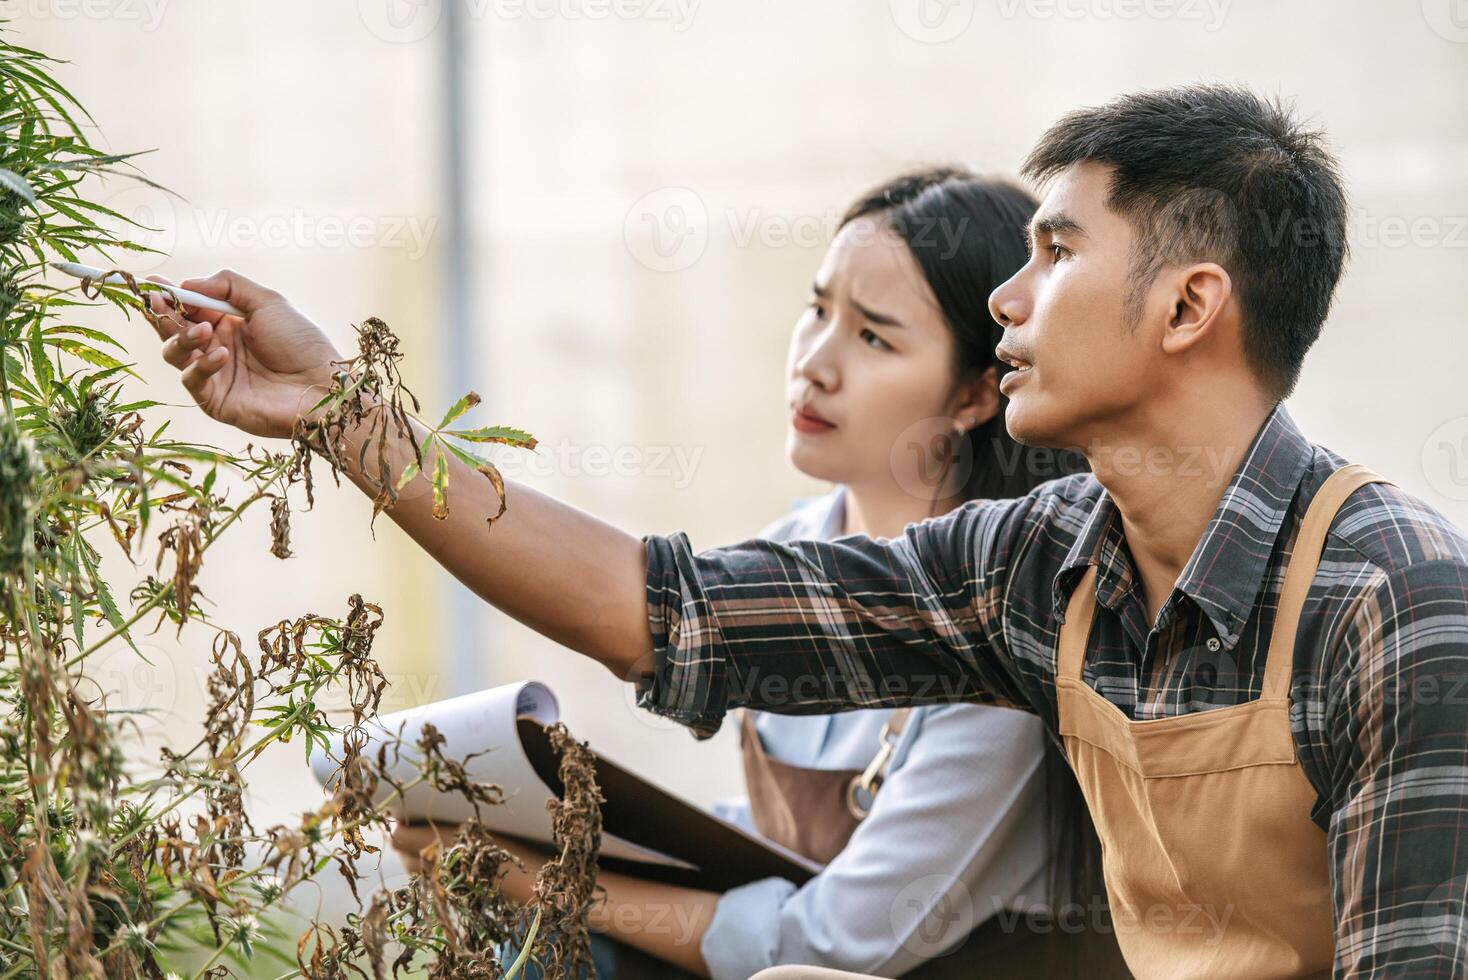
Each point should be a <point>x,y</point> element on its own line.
<point>967,234</point>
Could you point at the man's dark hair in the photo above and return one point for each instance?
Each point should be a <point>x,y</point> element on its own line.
<point>1216,173</point>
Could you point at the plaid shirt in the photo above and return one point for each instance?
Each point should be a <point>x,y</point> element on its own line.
<point>967,606</point>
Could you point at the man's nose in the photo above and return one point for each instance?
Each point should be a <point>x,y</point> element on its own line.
<point>1007,304</point>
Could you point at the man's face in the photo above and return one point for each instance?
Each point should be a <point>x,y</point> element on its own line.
<point>1084,368</point>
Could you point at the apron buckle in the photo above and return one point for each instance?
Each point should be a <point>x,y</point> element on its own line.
<point>861,792</point>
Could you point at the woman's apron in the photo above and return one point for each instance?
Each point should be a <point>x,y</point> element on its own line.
<point>814,812</point>
<point>1212,863</point>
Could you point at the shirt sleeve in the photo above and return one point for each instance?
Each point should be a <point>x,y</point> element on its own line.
<point>955,835</point>
<point>811,627</point>
<point>1397,719</point>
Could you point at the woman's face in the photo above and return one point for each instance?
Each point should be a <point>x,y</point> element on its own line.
<point>870,387</point>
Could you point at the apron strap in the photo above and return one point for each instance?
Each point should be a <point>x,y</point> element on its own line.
<point>1075,632</point>
<point>1300,573</point>
<point>1304,561</point>
<point>863,787</point>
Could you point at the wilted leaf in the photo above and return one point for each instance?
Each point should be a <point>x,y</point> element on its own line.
<point>441,487</point>
<point>497,433</point>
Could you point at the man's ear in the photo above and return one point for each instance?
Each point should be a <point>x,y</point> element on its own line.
<point>977,400</point>
<point>1199,295</point>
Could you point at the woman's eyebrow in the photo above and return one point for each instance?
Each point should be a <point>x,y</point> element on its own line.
<point>884,319</point>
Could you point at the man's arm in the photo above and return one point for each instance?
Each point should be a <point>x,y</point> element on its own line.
<point>1397,727</point>
<point>557,569</point>
<point>810,627</point>
<point>566,574</point>
<point>798,626</point>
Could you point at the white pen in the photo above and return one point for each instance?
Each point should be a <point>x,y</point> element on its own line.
<point>182,295</point>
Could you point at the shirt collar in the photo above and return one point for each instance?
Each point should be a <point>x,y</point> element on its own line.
<point>822,517</point>
<point>1227,568</point>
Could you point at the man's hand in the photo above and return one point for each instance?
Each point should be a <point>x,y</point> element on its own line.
<point>562,572</point>
<point>259,373</point>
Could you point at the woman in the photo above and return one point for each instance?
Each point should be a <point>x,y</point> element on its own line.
<point>965,812</point>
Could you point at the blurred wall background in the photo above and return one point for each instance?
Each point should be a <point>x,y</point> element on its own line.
<point>650,186</point>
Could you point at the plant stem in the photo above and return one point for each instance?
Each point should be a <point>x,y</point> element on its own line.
<point>255,749</point>
<point>376,811</point>
<point>167,590</point>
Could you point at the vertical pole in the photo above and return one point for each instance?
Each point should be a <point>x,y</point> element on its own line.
<point>467,653</point>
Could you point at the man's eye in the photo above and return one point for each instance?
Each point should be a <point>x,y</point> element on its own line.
<point>1057,251</point>
<point>815,307</point>
<point>872,340</point>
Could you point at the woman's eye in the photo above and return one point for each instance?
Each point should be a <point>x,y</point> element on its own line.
<point>872,340</point>
<point>815,307</point>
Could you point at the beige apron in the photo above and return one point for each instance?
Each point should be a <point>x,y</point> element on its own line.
<point>1212,863</point>
<point>814,812</point>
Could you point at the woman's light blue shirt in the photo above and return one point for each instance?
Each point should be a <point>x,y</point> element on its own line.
<point>956,834</point>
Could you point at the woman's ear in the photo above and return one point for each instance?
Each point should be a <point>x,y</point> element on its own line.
<point>976,401</point>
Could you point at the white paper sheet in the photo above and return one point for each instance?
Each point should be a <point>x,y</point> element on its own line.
<point>482,722</point>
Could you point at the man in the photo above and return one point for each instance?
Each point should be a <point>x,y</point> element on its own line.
<point>1255,657</point>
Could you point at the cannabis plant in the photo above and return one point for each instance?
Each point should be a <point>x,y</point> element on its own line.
<point>110,869</point>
